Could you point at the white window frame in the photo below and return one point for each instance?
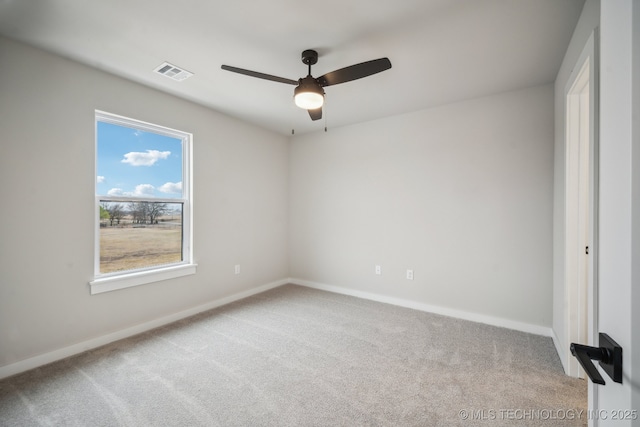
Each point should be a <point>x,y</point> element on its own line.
<point>119,280</point>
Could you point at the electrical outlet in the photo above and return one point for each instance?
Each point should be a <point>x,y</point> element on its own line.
<point>378,270</point>
<point>237,269</point>
<point>409,274</point>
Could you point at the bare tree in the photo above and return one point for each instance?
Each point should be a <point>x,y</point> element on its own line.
<point>156,210</point>
<point>115,210</point>
<point>141,211</point>
<point>138,212</point>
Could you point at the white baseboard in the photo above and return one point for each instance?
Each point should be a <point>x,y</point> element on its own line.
<point>459,314</point>
<point>52,356</point>
<point>560,350</point>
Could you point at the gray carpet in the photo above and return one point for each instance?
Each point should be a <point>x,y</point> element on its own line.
<point>295,356</point>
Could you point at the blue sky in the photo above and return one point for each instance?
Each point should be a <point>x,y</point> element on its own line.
<point>132,162</point>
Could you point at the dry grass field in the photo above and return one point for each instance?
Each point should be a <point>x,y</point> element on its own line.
<point>127,248</point>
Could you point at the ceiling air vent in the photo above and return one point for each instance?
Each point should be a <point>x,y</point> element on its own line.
<point>173,72</point>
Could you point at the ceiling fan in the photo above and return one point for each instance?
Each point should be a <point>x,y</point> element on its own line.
<point>308,93</point>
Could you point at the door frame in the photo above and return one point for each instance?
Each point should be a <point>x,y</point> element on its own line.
<point>581,303</point>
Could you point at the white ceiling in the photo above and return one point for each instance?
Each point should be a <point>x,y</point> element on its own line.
<point>442,51</point>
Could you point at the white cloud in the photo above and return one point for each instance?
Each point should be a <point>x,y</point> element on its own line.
<point>115,192</point>
<point>141,190</point>
<point>144,190</point>
<point>171,187</point>
<point>136,158</point>
<point>100,179</point>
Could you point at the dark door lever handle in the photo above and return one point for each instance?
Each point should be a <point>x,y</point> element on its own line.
<point>585,355</point>
<point>609,354</point>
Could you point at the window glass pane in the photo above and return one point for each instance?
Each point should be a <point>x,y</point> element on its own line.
<point>144,219</point>
<point>136,235</point>
<point>137,163</point>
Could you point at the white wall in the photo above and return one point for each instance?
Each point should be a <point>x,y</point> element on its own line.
<point>461,194</point>
<point>589,20</point>
<point>46,233</point>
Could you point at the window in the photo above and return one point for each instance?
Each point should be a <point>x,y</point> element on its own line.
<point>143,204</point>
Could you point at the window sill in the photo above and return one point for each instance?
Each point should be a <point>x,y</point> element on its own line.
<point>121,281</point>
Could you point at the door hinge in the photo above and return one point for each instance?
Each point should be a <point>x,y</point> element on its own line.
<point>586,250</point>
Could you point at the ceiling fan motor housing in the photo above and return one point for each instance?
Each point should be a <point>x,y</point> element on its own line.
<point>308,84</point>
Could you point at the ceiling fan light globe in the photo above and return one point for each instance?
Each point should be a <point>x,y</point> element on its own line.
<point>309,100</point>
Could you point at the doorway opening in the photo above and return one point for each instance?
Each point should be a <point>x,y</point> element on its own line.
<point>577,211</point>
<point>581,214</point>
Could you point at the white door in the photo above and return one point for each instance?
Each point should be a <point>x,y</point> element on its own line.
<point>619,210</point>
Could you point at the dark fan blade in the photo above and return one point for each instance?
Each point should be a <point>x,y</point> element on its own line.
<point>354,72</point>
<point>315,114</point>
<point>260,75</point>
